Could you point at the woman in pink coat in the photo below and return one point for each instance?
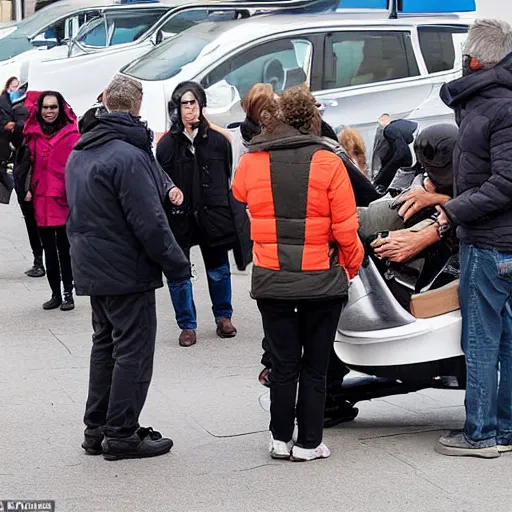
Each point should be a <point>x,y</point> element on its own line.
<point>51,132</point>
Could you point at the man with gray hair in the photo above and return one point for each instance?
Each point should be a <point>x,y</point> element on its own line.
<point>482,212</point>
<point>120,244</point>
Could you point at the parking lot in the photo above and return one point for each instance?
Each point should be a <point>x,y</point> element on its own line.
<point>207,398</point>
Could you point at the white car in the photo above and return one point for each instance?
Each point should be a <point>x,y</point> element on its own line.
<point>120,34</point>
<point>358,65</point>
<point>51,27</point>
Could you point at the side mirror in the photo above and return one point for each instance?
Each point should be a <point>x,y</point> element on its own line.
<point>157,38</point>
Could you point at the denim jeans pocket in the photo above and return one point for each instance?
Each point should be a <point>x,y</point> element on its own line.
<point>504,265</point>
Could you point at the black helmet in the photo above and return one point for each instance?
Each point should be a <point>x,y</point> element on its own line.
<point>434,148</point>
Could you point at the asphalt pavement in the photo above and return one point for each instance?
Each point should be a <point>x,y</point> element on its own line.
<point>208,400</point>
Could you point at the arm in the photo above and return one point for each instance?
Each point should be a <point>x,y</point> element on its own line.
<point>142,206</point>
<point>344,219</point>
<point>223,131</point>
<point>238,186</point>
<point>495,194</point>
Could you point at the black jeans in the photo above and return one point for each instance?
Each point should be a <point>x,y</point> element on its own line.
<point>58,261</point>
<point>121,361</point>
<point>27,208</point>
<point>300,336</point>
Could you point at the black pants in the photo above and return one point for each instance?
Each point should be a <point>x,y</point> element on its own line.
<point>300,336</point>
<point>121,361</point>
<point>27,208</point>
<point>58,261</point>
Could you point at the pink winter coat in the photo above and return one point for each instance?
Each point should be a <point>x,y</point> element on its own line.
<point>49,157</point>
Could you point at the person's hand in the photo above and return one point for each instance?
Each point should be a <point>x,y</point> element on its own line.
<point>416,200</point>
<point>28,197</point>
<point>176,196</point>
<point>9,127</point>
<point>399,246</point>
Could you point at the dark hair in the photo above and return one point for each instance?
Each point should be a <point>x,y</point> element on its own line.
<point>9,82</point>
<point>175,103</point>
<point>62,118</point>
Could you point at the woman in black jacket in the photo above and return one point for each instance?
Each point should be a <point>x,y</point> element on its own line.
<point>198,161</point>
<point>13,115</point>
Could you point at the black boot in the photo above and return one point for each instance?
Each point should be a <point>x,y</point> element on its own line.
<point>92,441</point>
<point>53,303</point>
<point>145,442</point>
<point>68,303</point>
<point>37,269</point>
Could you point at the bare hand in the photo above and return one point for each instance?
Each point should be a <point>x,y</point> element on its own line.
<point>9,127</point>
<point>416,200</point>
<point>399,246</point>
<point>176,196</point>
<point>28,197</point>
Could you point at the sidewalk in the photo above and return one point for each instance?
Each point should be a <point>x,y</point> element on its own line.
<point>207,399</point>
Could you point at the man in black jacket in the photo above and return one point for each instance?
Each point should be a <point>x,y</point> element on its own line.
<point>482,212</point>
<point>198,160</point>
<point>120,243</point>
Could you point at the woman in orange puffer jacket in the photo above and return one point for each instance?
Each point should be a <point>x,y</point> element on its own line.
<point>306,248</point>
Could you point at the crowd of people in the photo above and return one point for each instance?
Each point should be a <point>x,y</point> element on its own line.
<point>111,214</point>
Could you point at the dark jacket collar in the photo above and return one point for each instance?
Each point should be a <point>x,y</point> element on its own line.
<point>491,83</point>
<point>116,126</point>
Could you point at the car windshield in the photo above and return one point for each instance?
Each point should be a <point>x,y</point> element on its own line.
<point>168,59</point>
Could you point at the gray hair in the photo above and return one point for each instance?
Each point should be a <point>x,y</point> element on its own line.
<point>489,41</point>
<point>124,94</point>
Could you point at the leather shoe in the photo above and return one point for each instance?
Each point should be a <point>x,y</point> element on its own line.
<point>92,441</point>
<point>187,338</point>
<point>53,303</point>
<point>225,328</point>
<point>145,442</point>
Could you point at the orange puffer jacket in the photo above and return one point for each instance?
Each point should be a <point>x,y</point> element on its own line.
<point>300,201</point>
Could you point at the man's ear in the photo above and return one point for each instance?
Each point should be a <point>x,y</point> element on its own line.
<point>475,64</point>
<point>104,100</point>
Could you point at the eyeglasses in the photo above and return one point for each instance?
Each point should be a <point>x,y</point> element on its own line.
<point>50,107</point>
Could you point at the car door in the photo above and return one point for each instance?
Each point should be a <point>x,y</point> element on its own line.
<point>369,72</point>
<point>282,62</point>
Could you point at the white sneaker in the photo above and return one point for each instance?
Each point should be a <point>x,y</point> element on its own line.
<point>304,454</point>
<point>502,448</point>
<point>280,449</point>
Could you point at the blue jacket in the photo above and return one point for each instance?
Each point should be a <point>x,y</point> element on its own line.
<point>482,206</point>
<point>117,227</point>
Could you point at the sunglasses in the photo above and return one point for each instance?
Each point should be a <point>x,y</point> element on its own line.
<point>50,107</point>
<point>189,102</point>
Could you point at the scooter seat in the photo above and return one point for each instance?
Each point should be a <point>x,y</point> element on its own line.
<point>436,302</point>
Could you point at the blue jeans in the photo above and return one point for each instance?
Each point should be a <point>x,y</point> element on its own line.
<point>216,262</point>
<point>485,294</point>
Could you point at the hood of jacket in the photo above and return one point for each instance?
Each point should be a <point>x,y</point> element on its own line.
<point>491,83</point>
<point>286,137</point>
<point>116,126</point>
<point>32,126</point>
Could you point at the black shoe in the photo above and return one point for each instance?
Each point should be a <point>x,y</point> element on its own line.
<point>68,303</point>
<point>143,443</point>
<point>92,441</point>
<point>36,271</point>
<point>53,303</point>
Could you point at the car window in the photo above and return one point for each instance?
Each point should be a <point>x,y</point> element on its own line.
<point>359,58</point>
<point>282,63</point>
<point>118,28</point>
<point>167,59</point>
<point>128,27</point>
<point>442,47</point>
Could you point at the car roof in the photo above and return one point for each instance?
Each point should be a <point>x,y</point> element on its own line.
<point>244,31</point>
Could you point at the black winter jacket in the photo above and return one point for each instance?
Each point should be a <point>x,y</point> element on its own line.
<point>209,214</point>
<point>119,234</point>
<point>481,208</point>
<point>6,116</point>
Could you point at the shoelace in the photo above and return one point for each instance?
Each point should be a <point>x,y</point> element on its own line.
<point>144,432</point>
